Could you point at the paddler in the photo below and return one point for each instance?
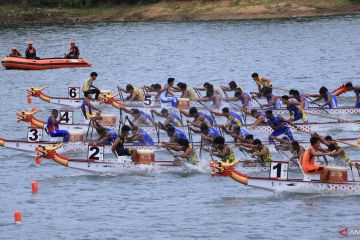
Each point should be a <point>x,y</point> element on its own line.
<point>165,94</point>
<point>170,118</point>
<point>118,145</point>
<point>211,96</point>
<point>141,137</point>
<point>207,134</point>
<point>233,87</point>
<point>356,90</point>
<point>52,125</point>
<point>308,160</point>
<point>237,132</point>
<point>279,125</point>
<point>15,52</point>
<point>186,91</point>
<point>261,152</point>
<point>87,107</point>
<point>273,101</point>
<point>295,110</point>
<point>136,94</point>
<point>30,52</point>
<point>260,118</point>
<point>324,94</point>
<point>221,150</point>
<point>103,132</point>
<point>141,118</point>
<point>293,146</point>
<point>189,152</point>
<point>199,117</point>
<point>244,99</point>
<point>74,51</point>
<point>262,83</point>
<point>88,86</point>
<point>304,104</point>
<point>208,86</point>
<point>232,118</point>
<point>174,135</point>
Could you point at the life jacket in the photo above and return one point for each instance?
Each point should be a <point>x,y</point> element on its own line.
<point>277,103</point>
<point>86,110</point>
<point>51,127</point>
<point>333,102</point>
<point>147,138</point>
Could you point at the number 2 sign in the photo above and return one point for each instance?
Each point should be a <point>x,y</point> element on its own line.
<point>95,152</point>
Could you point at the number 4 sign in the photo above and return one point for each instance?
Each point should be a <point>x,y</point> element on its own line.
<point>67,116</point>
<point>279,170</point>
<point>34,134</point>
<point>95,152</point>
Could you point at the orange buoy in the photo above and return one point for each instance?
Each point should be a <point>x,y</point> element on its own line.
<point>37,160</point>
<point>34,187</point>
<point>29,99</point>
<point>17,217</point>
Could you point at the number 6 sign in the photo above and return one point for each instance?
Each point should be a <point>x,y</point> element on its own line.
<point>74,92</point>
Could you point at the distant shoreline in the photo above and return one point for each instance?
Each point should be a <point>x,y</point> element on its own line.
<point>178,11</point>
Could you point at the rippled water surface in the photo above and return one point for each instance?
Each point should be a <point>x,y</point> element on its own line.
<point>302,53</point>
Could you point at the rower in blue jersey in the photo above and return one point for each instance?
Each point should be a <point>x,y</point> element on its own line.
<point>232,87</point>
<point>237,132</point>
<point>324,94</point>
<point>279,125</point>
<point>296,113</point>
<point>244,99</point>
<point>170,118</point>
<point>207,133</point>
<point>260,118</point>
<point>107,135</point>
<point>174,135</point>
<point>199,117</point>
<point>232,118</point>
<point>165,94</point>
<point>273,101</point>
<point>356,90</point>
<point>213,97</point>
<point>304,103</point>
<point>52,126</point>
<point>141,118</point>
<point>141,137</point>
<point>87,107</point>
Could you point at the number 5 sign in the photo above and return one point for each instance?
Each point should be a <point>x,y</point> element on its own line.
<point>279,170</point>
<point>95,152</point>
<point>149,101</point>
<point>74,92</point>
<point>34,134</point>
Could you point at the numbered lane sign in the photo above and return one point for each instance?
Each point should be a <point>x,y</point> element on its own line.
<point>67,116</point>
<point>95,152</point>
<point>34,134</point>
<point>149,101</point>
<point>74,92</point>
<point>279,170</point>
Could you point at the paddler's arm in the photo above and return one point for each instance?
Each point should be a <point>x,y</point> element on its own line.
<point>226,89</point>
<point>246,102</point>
<point>200,89</point>
<point>91,84</point>
<point>126,110</point>
<point>203,99</point>
<point>258,121</point>
<point>186,154</point>
<point>92,106</point>
<point>326,103</point>
<point>155,112</point>
<point>272,102</point>
<point>149,89</point>
<point>216,113</point>
<point>115,144</point>
<point>185,113</point>
<point>120,89</point>
<point>53,121</point>
<point>280,140</point>
<point>164,89</point>
<point>262,153</point>
<point>175,89</point>
<point>317,154</point>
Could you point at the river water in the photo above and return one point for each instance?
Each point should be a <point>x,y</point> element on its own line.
<point>303,53</point>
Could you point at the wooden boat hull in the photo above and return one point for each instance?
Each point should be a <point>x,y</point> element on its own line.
<point>42,64</point>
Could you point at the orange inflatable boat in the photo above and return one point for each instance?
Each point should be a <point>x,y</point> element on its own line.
<point>45,63</point>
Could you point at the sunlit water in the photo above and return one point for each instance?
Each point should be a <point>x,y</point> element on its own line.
<point>302,53</point>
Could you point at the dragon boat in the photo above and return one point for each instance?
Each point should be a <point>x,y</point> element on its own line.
<point>41,64</point>
<point>278,181</point>
<point>143,161</point>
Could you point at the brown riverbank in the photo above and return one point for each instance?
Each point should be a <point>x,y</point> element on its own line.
<point>179,11</point>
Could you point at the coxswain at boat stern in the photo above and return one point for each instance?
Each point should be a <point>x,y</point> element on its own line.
<point>295,110</point>
<point>356,90</point>
<point>262,83</point>
<point>279,125</point>
<point>30,52</point>
<point>15,52</point>
<point>273,101</point>
<point>88,86</point>
<point>87,107</point>
<point>222,150</point>
<point>166,95</point>
<point>74,51</point>
<point>52,125</point>
<point>118,147</point>
<point>308,160</point>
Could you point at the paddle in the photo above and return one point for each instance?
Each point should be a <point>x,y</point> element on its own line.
<point>336,118</point>
<point>336,140</point>
<point>317,104</point>
<point>352,173</point>
<point>189,133</point>
<point>201,144</point>
<point>257,101</point>
<point>156,127</point>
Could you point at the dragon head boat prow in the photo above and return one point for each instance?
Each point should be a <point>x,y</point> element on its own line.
<point>35,91</point>
<point>222,168</point>
<point>46,151</point>
<point>26,116</point>
<point>109,98</point>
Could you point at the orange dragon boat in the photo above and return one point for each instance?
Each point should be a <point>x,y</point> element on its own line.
<point>41,64</point>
